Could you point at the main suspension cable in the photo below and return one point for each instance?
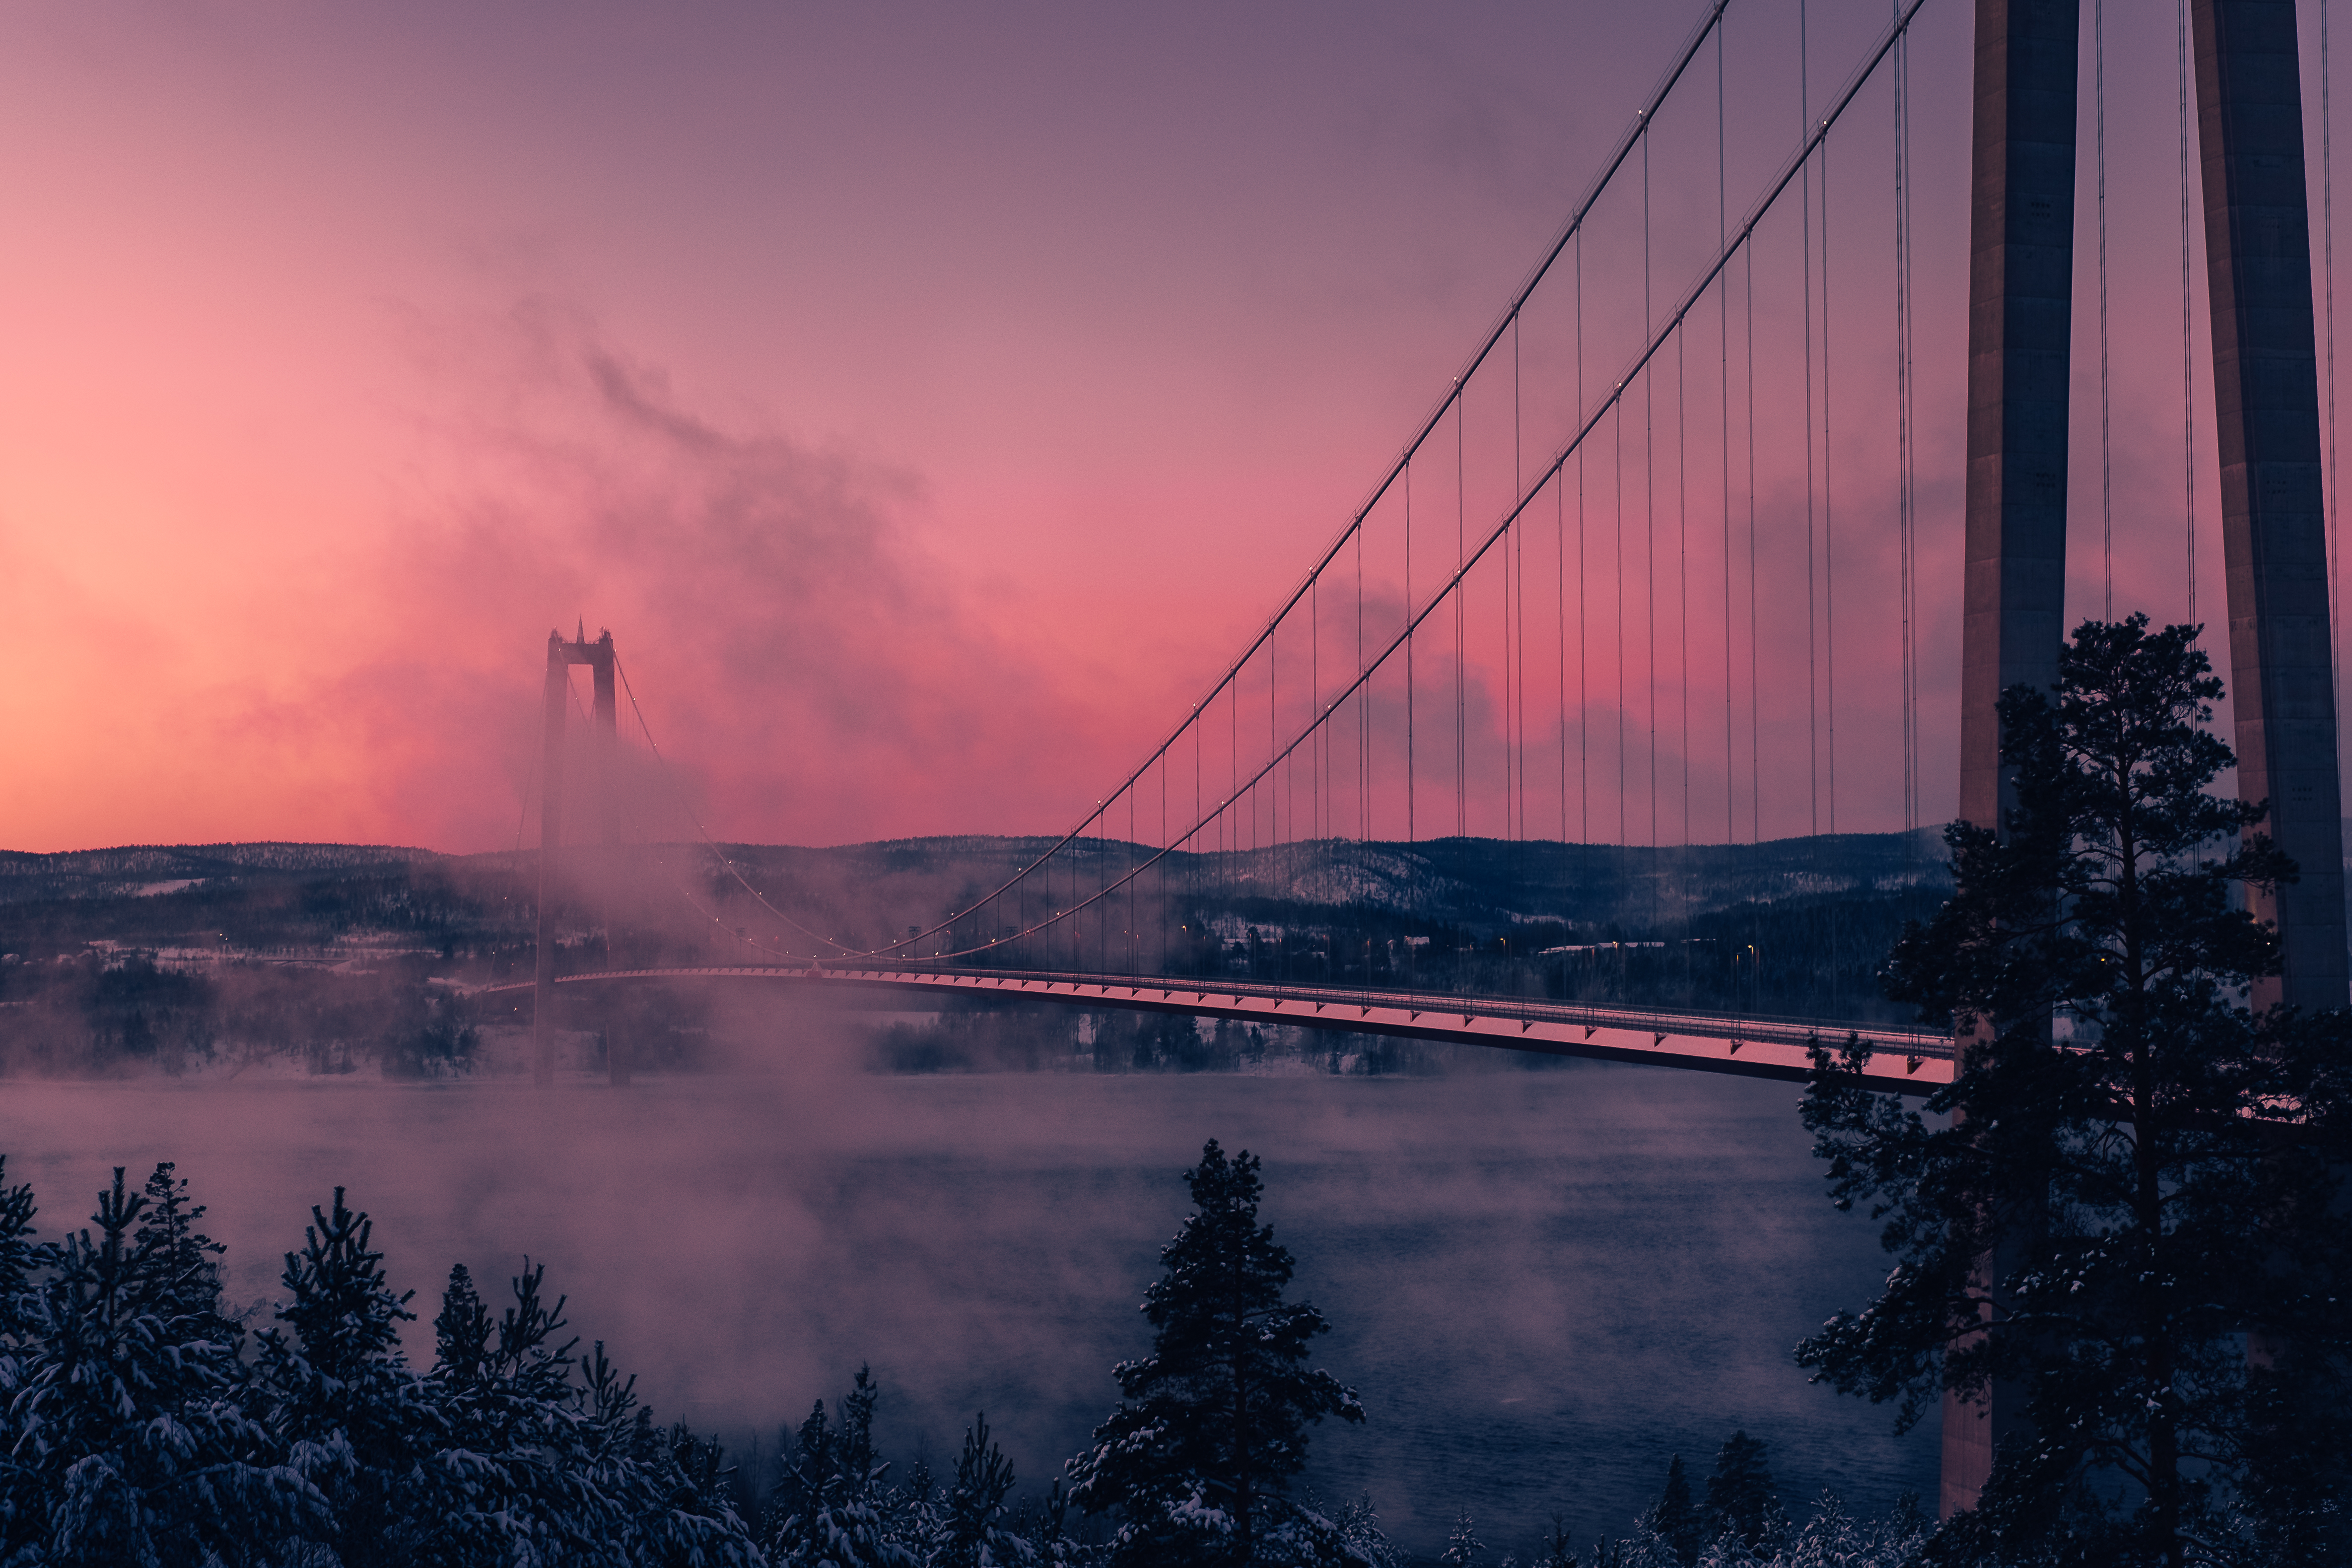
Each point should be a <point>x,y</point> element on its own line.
<point>1657,335</point>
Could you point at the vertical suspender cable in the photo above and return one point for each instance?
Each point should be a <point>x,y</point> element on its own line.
<point>1617,476</point>
<point>1723,433</point>
<point>1907,432</point>
<point>1517,756</point>
<point>1363,714</point>
<point>2106,460</point>
<point>2328,272</point>
<point>1682,563</point>
<point>1755,706</point>
<point>2187,340</point>
<point>1829,512</point>
<point>1649,509</point>
<point>1461,624</point>
<point>1902,447</point>
<point>1812,616</point>
<point>1560,597</point>
<point>1583,706</point>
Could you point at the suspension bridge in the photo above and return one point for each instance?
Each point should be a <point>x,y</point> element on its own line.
<point>1648,573</point>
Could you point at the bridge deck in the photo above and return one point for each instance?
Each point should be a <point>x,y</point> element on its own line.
<point>1906,1060</point>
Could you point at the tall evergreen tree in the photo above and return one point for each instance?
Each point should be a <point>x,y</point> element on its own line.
<point>1740,1498</point>
<point>1675,1517</point>
<point>2158,1182</point>
<point>1198,1458</point>
<point>131,1441</point>
<point>831,1512</point>
<point>1463,1547</point>
<point>970,1527</point>
<point>343,1394</point>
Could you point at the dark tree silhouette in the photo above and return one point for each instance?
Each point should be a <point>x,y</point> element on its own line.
<point>1674,1519</point>
<point>2108,1214</point>
<point>1198,1458</point>
<point>1740,1498</point>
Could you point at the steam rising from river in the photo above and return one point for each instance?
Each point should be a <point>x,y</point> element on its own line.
<point>1544,1283</point>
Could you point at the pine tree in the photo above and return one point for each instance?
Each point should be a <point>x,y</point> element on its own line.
<point>131,1441</point>
<point>2158,1186</point>
<point>530,1456</point>
<point>1358,1526</point>
<point>1463,1547</point>
<point>969,1527</point>
<point>1675,1517</point>
<point>1559,1550</point>
<point>341,1392</point>
<point>1740,1498</point>
<point>20,1257</point>
<point>1198,1458</point>
<point>830,1511</point>
<point>1045,1526</point>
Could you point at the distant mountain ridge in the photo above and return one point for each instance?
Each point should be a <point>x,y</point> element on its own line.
<point>129,870</point>
<point>1456,878</point>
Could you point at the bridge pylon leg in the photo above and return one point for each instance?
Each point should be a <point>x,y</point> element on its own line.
<point>557,698</point>
<point>2020,334</point>
<point>602,886</point>
<point>2274,515</point>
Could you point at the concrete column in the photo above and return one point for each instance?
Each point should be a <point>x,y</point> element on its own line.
<point>2020,337</point>
<point>606,710</point>
<point>2020,330</point>
<point>558,697</point>
<point>2266,403</point>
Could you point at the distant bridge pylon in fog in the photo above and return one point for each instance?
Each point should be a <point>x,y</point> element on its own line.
<point>1340,714</point>
<point>603,720</point>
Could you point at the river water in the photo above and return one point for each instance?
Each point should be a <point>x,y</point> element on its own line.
<point>1543,1283</point>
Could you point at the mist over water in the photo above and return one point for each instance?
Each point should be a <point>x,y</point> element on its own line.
<point>1542,1283</point>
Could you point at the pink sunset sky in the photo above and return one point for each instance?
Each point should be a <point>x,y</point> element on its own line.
<point>931,399</point>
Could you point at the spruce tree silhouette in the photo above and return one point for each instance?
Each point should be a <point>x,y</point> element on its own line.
<point>1741,1500</point>
<point>1198,1458</point>
<point>2159,1175</point>
<point>1675,1517</point>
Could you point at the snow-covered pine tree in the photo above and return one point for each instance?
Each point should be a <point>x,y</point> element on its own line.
<point>1674,1519</point>
<point>969,1527</point>
<point>1740,1498</point>
<point>830,1510</point>
<point>673,1493</point>
<point>1558,1551</point>
<point>358,1422</point>
<point>521,1451</point>
<point>1463,1547</point>
<point>1045,1525</point>
<point>130,1442</point>
<point>1358,1524</point>
<point>1198,1458</point>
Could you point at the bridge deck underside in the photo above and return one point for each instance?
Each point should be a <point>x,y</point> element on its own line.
<point>1903,1061</point>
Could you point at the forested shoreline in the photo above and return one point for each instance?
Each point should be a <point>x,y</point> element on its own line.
<point>332,959</point>
<point>147,1421</point>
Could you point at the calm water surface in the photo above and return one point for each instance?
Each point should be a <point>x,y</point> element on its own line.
<point>1543,1283</point>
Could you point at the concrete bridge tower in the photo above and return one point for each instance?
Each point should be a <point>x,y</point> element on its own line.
<point>603,717</point>
<point>2021,285</point>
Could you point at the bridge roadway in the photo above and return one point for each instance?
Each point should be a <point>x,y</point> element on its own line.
<point>1907,1061</point>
